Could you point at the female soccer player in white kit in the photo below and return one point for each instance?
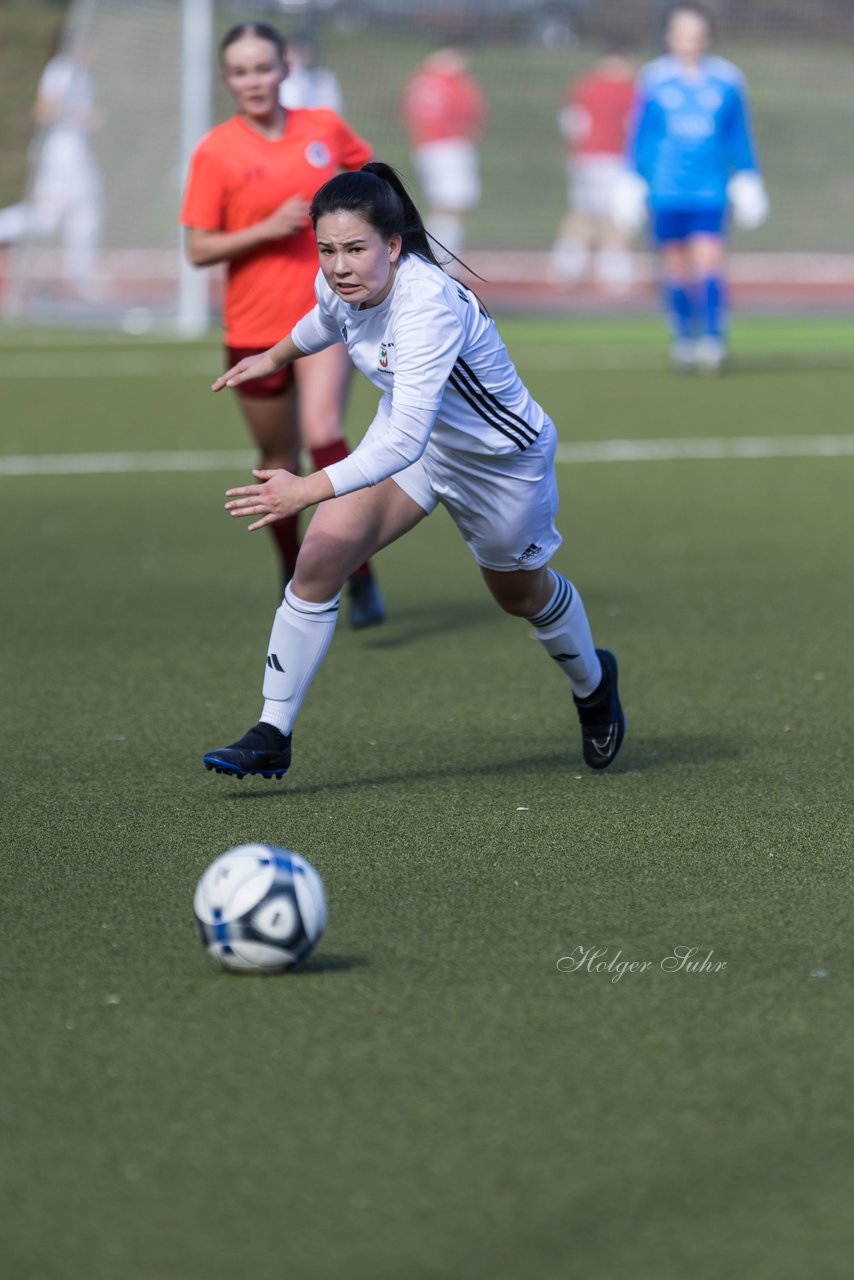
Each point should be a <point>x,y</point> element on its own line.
<point>455,425</point>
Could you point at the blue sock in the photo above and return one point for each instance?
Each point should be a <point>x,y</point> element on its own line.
<point>712,305</point>
<point>678,308</point>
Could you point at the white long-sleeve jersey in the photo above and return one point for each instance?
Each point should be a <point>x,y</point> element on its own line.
<point>446,378</point>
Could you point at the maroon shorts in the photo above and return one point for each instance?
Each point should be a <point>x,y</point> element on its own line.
<point>260,388</point>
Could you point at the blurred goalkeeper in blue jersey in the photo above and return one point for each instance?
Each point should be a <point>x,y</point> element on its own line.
<point>692,158</point>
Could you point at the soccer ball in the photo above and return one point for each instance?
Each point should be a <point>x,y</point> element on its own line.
<point>260,909</point>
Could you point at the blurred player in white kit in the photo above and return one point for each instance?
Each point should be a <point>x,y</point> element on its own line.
<point>66,195</point>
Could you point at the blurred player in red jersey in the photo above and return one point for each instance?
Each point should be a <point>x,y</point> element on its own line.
<point>246,204</point>
<point>595,121</point>
<point>445,114</point>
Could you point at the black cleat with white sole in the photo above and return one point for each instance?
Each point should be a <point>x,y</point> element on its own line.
<point>603,724</point>
<point>264,750</point>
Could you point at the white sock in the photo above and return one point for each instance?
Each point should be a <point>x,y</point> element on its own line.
<point>615,269</point>
<point>302,632</point>
<point>448,230</point>
<point>564,632</point>
<point>570,259</point>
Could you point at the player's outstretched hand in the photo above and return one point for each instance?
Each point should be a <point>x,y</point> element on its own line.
<point>278,494</point>
<point>260,366</point>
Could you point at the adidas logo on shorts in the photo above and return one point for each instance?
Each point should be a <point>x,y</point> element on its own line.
<point>533,550</point>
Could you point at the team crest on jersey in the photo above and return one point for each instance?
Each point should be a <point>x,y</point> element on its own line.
<point>385,357</point>
<point>318,155</point>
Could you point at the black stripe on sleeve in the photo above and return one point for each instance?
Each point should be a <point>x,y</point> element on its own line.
<point>510,419</point>
<point>479,409</point>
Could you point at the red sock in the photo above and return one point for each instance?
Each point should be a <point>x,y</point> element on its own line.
<point>286,537</point>
<point>324,456</point>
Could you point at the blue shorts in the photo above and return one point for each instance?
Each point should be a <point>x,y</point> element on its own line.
<point>680,224</point>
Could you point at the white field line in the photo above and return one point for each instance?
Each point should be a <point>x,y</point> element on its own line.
<point>686,450</point>
<point>707,448</point>
<point>109,364</point>
<point>95,464</point>
<point>549,358</point>
<point>616,360</point>
<point>151,364</point>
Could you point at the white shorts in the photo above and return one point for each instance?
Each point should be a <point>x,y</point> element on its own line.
<point>504,506</point>
<point>448,173</point>
<point>591,184</point>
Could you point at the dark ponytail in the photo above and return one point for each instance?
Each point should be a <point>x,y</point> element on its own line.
<point>415,236</point>
<point>377,194</point>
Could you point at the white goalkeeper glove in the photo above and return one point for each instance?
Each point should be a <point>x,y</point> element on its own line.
<point>628,203</point>
<point>749,199</point>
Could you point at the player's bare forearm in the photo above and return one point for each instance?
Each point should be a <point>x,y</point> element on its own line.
<point>205,246</point>
<point>285,351</point>
<point>260,366</point>
<point>278,494</point>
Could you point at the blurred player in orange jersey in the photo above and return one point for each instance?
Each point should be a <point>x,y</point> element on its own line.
<point>246,204</point>
<point>445,114</point>
<point>594,121</point>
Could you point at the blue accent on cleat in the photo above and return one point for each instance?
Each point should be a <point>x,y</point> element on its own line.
<point>263,751</point>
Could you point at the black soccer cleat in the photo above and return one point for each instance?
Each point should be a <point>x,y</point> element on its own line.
<point>264,750</point>
<point>367,607</point>
<point>603,724</point>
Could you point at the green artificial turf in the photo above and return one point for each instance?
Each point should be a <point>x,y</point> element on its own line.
<point>431,1096</point>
